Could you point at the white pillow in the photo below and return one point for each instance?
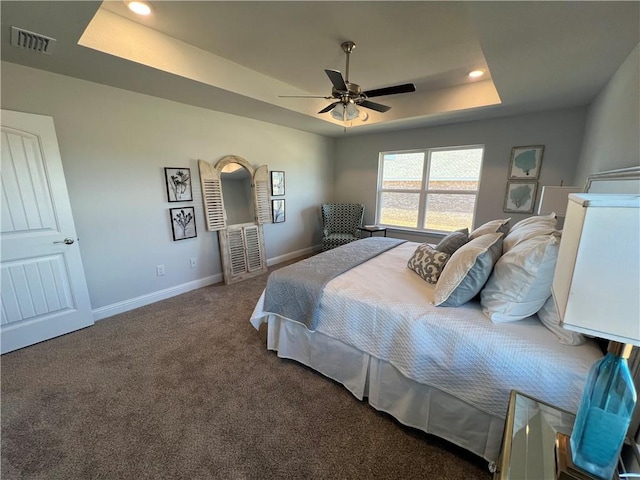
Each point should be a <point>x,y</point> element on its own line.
<point>494,226</point>
<point>521,280</point>
<point>549,317</point>
<point>540,220</point>
<point>525,232</point>
<point>467,270</point>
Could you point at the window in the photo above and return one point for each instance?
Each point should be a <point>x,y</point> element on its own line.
<point>433,189</point>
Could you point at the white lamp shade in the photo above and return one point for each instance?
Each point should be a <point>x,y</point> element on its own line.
<point>555,200</point>
<point>596,286</point>
<point>352,111</point>
<point>338,112</point>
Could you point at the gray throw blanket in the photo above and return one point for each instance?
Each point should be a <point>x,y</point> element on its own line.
<point>295,291</point>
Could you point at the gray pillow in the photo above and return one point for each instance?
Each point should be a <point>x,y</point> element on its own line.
<point>453,241</point>
<point>467,270</point>
<point>428,263</point>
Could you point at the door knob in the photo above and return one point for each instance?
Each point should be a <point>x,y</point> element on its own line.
<point>66,241</point>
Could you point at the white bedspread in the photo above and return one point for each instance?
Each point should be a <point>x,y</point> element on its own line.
<point>383,308</point>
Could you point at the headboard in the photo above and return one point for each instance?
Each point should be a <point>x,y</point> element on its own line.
<point>624,180</point>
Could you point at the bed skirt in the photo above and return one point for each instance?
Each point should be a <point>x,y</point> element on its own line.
<point>411,403</point>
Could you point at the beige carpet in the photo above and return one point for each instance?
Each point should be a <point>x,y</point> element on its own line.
<point>185,388</point>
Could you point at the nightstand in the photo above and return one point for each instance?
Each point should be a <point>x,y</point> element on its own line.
<point>528,445</point>
<point>529,441</point>
<point>371,229</point>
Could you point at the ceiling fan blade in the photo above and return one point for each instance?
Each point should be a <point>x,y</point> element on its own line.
<point>379,92</point>
<point>338,81</point>
<point>304,96</point>
<point>328,108</point>
<point>374,106</point>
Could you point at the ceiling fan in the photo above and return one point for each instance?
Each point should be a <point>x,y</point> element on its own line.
<point>349,96</point>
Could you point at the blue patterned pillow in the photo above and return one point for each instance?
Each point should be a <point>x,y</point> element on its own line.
<point>428,262</point>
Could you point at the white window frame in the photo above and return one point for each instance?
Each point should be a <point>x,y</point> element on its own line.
<point>424,191</point>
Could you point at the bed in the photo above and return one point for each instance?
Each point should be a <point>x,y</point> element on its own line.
<point>445,370</point>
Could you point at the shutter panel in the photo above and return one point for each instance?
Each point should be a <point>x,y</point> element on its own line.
<point>236,251</point>
<point>254,253</point>
<point>214,214</point>
<point>261,192</point>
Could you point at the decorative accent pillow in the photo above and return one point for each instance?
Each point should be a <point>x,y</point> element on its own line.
<point>521,280</point>
<point>453,241</point>
<point>467,270</point>
<point>428,263</point>
<point>494,226</point>
<point>549,317</point>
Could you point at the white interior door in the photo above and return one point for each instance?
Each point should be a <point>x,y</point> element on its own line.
<point>44,291</point>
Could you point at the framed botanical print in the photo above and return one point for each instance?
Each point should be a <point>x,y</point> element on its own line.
<point>178,182</point>
<point>525,162</point>
<point>520,197</point>
<point>183,223</point>
<point>277,209</point>
<point>277,183</point>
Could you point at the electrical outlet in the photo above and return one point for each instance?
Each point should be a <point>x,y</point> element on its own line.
<point>194,263</point>
<point>160,270</point>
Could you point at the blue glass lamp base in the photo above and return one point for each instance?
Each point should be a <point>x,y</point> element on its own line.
<point>565,468</point>
<point>603,417</point>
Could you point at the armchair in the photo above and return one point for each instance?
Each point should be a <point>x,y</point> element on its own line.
<point>340,222</point>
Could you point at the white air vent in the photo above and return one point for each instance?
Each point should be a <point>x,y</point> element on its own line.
<point>31,41</point>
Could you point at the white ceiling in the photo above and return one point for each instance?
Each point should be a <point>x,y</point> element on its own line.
<point>240,57</point>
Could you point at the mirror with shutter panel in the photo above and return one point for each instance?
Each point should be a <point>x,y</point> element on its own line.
<point>237,194</point>
<point>236,199</point>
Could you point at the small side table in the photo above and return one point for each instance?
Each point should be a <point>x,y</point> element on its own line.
<point>529,443</point>
<point>371,229</point>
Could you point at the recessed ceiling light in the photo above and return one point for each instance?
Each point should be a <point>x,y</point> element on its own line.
<point>141,8</point>
<point>476,73</point>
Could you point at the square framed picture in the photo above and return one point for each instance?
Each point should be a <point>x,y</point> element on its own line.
<point>183,223</point>
<point>277,183</point>
<point>178,182</point>
<point>520,197</point>
<point>525,162</point>
<point>277,211</point>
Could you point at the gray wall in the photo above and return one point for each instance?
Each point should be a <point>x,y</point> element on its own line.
<point>559,131</point>
<point>115,145</point>
<point>612,131</point>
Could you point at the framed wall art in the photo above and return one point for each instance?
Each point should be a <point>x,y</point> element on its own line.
<point>525,162</point>
<point>178,184</point>
<point>183,223</point>
<point>520,197</point>
<point>277,183</point>
<point>277,209</point>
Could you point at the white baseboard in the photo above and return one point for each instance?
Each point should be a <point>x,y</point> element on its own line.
<point>292,255</point>
<point>137,302</point>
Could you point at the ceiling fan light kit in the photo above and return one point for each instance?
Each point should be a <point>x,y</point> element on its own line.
<point>345,112</point>
<point>349,96</point>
